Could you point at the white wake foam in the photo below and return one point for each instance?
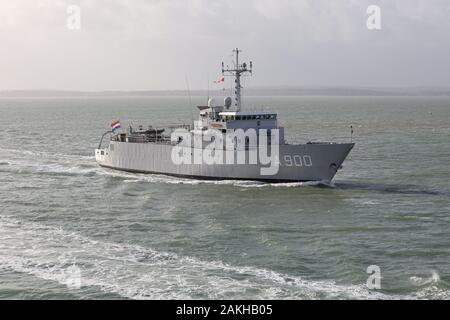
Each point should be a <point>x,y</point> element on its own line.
<point>139,273</point>
<point>157,178</point>
<point>420,282</point>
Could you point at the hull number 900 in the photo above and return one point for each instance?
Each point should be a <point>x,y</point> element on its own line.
<point>297,160</point>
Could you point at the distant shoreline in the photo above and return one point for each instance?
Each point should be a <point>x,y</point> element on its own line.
<point>272,91</point>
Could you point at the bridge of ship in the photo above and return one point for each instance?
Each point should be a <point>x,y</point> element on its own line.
<point>217,118</point>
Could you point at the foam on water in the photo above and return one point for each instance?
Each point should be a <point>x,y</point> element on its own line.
<point>158,178</point>
<point>140,273</point>
<point>21,153</point>
<point>55,168</point>
<point>419,281</point>
<point>137,272</point>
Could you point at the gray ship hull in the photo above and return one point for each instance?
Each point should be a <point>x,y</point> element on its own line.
<point>303,162</point>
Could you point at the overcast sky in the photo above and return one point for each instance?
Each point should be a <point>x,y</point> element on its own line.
<point>156,44</point>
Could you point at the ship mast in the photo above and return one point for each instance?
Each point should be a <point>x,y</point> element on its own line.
<point>237,72</point>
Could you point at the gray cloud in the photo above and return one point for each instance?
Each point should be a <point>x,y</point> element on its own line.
<point>138,44</point>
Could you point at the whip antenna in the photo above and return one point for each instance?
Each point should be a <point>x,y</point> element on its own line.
<point>190,100</point>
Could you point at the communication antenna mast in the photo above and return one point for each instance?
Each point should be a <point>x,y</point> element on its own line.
<point>190,100</point>
<point>239,69</point>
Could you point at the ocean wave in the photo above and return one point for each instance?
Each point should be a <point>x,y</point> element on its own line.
<point>33,162</point>
<point>45,154</point>
<point>137,272</point>
<point>389,188</point>
<point>57,169</point>
<point>420,281</point>
<point>140,273</point>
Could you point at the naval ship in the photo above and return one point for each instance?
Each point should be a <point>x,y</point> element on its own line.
<point>225,142</point>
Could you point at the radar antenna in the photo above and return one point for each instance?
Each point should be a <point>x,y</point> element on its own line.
<point>239,69</point>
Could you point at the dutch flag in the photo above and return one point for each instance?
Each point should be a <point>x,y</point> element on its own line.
<point>115,125</point>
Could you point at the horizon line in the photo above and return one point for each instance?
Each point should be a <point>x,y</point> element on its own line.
<point>278,90</point>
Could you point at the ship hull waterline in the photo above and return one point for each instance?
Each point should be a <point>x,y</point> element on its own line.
<point>297,163</point>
